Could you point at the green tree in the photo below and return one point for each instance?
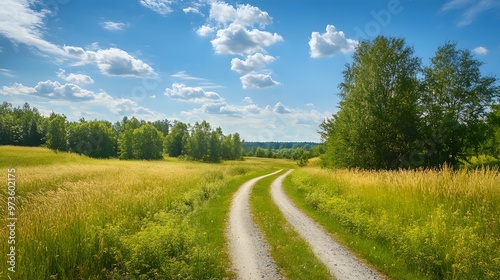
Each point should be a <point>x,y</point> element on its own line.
<point>174,144</point>
<point>377,124</point>
<point>147,142</point>
<point>95,139</point>
<point>236,146</point>
<point>56,132</point>
<point>455,102</point>
<point>125,140</point>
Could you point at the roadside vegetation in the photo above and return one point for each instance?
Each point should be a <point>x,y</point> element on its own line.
<point>83,218</point>
<point>413,224</point>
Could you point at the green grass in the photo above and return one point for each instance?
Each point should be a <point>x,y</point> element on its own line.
<point>81,218</point>
<point>293,256</point>
<point>410,224</point>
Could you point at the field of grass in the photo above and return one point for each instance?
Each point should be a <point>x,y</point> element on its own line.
<point>81,218</point>
<point>427,224</point>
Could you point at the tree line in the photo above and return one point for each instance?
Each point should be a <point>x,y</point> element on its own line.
<point>128,139</point>
<point>396,113</point>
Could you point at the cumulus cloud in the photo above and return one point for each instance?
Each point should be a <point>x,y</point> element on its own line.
<point>162,7</point>
<point>248,99</point>
<point>55,90</point>
<point>78,79</point>
<point>279,108</point>
<point>113,26</point>
<point>185,93</point>
<point>236,39</point>
<point>23,25</point>
<point>330,43</point>
<point>205,30</point>
<point>256,80</point>
<point>251,63</point>
<point>481,50</point>
<point>111,62</point>
<point>248,15</point>
<point>471,9</point>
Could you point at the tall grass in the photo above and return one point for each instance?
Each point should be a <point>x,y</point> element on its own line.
<point>81,218</point>
<point>439,224</point>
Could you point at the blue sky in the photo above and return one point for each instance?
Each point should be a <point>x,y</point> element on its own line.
<point>266,69</point>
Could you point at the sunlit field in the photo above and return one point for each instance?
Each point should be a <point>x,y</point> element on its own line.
<point>412,224</point>
<point>95,219</point>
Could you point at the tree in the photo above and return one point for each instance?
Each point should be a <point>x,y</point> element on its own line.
<point>455,102</point>
<point>174,145</point>
<point>237,146</point>
<point>377,123</point>
<point>56,132</point>
<point>94,139</point>
<point>125,140</point>
<point>147,143</point>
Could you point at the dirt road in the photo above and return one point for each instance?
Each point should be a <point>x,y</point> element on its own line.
<point>341,263</point>
<point>249,251</point>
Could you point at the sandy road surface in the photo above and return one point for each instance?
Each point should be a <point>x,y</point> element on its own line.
<point>341,263</point>
<point>248,249</point>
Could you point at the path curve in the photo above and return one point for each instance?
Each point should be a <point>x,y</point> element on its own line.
<point>248,249</point>
<point>341,263</point>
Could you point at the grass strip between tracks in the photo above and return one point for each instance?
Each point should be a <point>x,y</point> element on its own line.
<point>293,256</point>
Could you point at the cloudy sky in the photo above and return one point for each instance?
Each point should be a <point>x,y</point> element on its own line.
<point>266,69</point>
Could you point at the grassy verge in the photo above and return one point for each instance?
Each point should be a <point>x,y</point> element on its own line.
<point>292,255</point>
<point>81,218</point>
<point>410,224</point>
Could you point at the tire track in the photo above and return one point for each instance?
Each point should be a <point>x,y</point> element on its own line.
<point>248,249</point>
<point>341,263</point>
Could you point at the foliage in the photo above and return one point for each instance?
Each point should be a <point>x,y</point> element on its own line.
<point>56,132</point>
<point>128,139</point>
<point>455,102</point>
<point>94,139</point>
<point>395,115</point>
<point>375,126</point>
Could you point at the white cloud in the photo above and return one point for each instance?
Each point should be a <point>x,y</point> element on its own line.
<point>481,50</point>
<point>20,24</point>
<point>251,63</point>
<point>330,43</point>
<point>193,10</point>
<point>279,108</point>
<point>236,39</point>
<point>111,62</point>
<point>267,123</point>
<point>248,15</point>
<point>55,90</point>
<point>113,26</point>
<point>126,107</point>
<point>81,101</point>
<point>185,76</point>
<point>185,93</point>
<point>255,80</point>
<point>162,7</point>
<point>205,30</point>
<point>7,73</point>
<point>78,79</point>
<point>248,99</point>
<point>471,9</point>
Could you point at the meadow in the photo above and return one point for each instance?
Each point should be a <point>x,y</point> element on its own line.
<point>82,218</point>
<point>413,224</point>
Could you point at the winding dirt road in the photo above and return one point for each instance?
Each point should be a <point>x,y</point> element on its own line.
<point>341,263</point>
<point>248,249</point>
